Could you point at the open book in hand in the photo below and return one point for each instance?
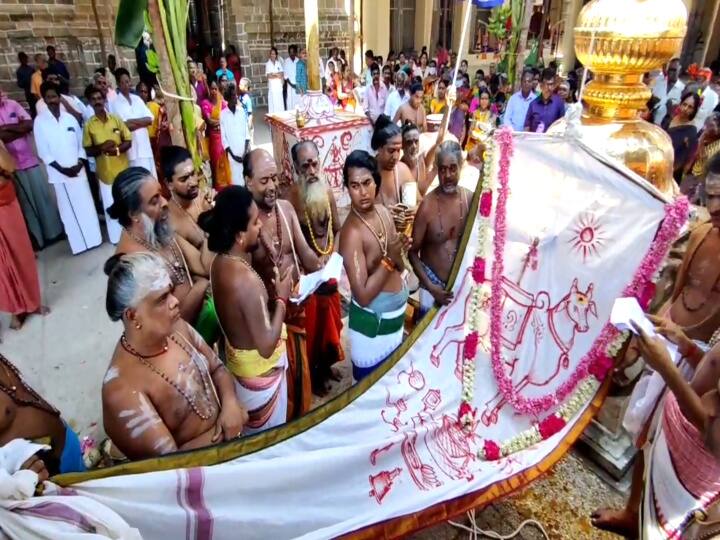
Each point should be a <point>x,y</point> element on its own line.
<point>309,283</point>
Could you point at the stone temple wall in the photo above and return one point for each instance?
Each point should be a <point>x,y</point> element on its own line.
<point>247,25</point>
<point>70,26</point>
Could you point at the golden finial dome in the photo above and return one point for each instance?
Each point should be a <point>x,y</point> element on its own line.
<point>620,40</point>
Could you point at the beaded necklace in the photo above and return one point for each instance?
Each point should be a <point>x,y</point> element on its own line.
<point>203,376</point>
<point>249,267</point>
<point>175,265</point>
<point>188,214</point>
<point>276,254</point>
<point>12,390</point>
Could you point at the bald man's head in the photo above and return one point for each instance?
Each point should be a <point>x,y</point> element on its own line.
<point>261,177</point>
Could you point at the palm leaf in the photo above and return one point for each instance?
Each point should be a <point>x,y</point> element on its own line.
<point>130,22</point>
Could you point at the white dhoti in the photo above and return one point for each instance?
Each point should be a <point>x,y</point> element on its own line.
<point>293,100</point>
<point>113,227</point>
<point>145,163</point>
<point>275,97</point>
<point>236,172</point>
<point>666,505</point>
<point>78,214</point>
<point>264,396</point>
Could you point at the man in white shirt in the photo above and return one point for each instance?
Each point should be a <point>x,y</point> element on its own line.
<point>668,89</point>
<point>375,96</point>
<point>133,111</point>
<point>234,135</point>
<point>519,103</point>
<point>290,68</point>
<point>710,98</point>
<point>58,139</point>
<point>397,97</point>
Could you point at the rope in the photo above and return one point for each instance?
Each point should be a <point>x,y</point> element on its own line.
<point>474,530</point>
<point>173,96</point>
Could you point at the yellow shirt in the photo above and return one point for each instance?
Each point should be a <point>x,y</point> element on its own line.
<point>97,132</point>
<point>35,82</point>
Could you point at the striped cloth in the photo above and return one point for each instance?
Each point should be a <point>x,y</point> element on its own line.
<point>376,331</point>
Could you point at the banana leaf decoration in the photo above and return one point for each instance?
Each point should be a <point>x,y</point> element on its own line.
<point>130,23</point>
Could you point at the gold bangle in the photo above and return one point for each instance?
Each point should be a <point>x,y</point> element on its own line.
<point>388,264</point>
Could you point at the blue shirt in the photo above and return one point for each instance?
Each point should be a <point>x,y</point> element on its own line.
<point>541,114</point>
<point>516,110</point>
<point>228,74</point>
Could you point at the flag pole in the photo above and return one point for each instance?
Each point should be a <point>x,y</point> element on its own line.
<point>451,97</point>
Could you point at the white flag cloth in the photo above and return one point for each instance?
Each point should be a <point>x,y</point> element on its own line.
<point>397,449</point>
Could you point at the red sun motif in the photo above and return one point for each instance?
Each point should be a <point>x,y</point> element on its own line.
<point>588,236</point>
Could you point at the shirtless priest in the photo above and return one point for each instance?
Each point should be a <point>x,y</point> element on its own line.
<point>185,205</point>
<point>282,248</point>
<point>165,389</point>
<point>251,319</point>
<point>372,253</point>
<point>143,213</point>
<point>314,202</point>
<point>439,224</point>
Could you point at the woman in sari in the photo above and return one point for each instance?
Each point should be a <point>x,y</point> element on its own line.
<point>708,147</point>
<point>211,109</point>
<point>682,132</point>
<point>484,118</point>
<point>333,82</point>
<point>19,283</point>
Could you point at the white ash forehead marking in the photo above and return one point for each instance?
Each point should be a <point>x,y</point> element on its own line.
<point>112,373</point>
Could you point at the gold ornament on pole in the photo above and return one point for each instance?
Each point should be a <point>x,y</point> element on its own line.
<point>620,40</point>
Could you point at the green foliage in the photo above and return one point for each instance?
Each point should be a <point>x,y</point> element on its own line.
<point>497,23</point>
<point>130,22</point>
<point>174,17</point>
<point>153,62</point>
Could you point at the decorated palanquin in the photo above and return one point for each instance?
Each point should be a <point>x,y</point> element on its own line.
<point>336,134</point>
<point>484,396</point>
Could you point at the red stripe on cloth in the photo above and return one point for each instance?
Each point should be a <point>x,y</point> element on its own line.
<point>196,502</point>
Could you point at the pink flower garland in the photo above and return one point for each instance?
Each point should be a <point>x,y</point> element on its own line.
<point>596,362</point>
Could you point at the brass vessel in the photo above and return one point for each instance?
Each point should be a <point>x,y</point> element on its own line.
<point>620,40</point>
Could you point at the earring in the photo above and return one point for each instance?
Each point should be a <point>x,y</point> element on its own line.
<point>138,325</point>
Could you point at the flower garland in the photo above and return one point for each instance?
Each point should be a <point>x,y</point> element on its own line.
<point>641,287</point>
<point>586,380</point>
<point>480,291</point>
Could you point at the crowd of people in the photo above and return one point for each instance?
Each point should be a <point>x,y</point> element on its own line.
<point>213,346</point>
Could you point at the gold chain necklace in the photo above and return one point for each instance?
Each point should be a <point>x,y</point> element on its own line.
<point>381,237</point>
<point>249,267</point>
<point>330,241</point>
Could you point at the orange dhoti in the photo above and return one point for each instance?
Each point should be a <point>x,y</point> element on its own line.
<point>323,324</point>
<point>19,284</point>
<point>298,374</point>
